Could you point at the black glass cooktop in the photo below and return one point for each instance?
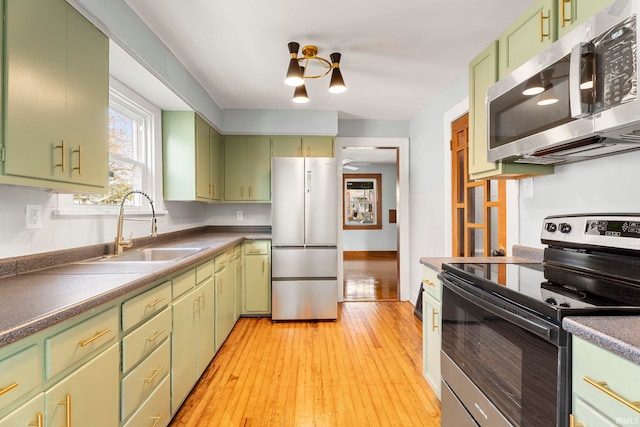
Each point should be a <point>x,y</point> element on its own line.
<point>529,286</point>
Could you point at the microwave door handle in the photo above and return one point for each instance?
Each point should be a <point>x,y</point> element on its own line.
<point>581,71</point>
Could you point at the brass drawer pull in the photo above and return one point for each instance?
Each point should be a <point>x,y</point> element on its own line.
<point>39,422</point>
<point>63,152</point>
<point>156,302</point>
<point>8,388</point>
<point>434,313</point>
<point>79,167</point>
<point>67,402</point>
<point>157,420</point>
<point>564,18</point>
<point>573,422</point>
<point>156,335</point>
<point>428,283</point>
<point>603,387</point>
<point>155,374</point>
<point>98,335</point>
<point>542,19</point>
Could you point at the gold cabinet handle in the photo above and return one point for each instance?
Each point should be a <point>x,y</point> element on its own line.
<point>155,374</point>
<point>542,19</point>
<point>79,167</point>
<point>98,335</point>
<point>156,335</point>
<point>63,153</point>
<point>242,192</point>
<point>67,403</point>
<point>263,267</point>
<point>573,422</point>
<point>155,302</point>
<point>563,16</point>
<point>434,313</point>
<point>213,190</point>
<point>249,191</point>
<point>157,420</point>
<point>603,387</point>
<point>8,388</point>
<point>201,307</point>
<point>39,422</point>
<point>308,151</point>
<point>428,283</point>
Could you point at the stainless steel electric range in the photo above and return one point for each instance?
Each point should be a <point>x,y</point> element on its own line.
<point>505,357</point>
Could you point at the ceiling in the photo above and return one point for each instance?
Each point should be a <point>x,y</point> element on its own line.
<point>395,56</point>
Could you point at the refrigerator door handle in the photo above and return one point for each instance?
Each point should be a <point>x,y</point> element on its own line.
<point>308,189</point>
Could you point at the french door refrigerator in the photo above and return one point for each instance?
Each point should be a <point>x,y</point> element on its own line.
<point>304,215</point>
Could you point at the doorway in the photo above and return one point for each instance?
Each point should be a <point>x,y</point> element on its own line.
<point>370,227</point>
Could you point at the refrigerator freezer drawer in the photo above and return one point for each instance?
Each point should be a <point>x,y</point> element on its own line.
<point>304,300</point>
<point>304,262</point>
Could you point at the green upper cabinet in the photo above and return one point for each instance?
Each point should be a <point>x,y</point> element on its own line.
<point>535,30</point>
<point>574,12</point>
<point>483,72</point>
<point>302,146</point>
<point>56,119</point>
<point>247,168</point>
<point>191,157</point>
<point>216,164</point>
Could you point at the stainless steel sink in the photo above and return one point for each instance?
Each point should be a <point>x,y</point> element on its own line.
<point>148,255</point>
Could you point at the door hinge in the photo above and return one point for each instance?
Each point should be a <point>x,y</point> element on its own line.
<point>2,154</point>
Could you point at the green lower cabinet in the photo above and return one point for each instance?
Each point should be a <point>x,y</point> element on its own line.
<point>601,382</point>
<point>225,299</point>
<point>29,414</point>
<point>77,397</point>
<point>257,277</point>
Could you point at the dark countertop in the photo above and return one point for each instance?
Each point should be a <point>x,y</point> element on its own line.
<point>36,300</point>
<point>618,334</point>
<point>521,254</point>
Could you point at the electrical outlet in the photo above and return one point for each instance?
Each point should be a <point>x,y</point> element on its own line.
<point>34,216</point>
<point>239,215</point>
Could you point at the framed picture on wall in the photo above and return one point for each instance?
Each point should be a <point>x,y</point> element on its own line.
<point>361,201</point>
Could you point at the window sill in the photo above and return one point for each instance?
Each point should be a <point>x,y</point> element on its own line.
<point>104,212</point>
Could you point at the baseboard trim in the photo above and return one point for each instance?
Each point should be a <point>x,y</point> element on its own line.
<point>362,255</point>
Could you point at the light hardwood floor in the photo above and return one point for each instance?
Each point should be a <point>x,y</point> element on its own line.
<point>365,369</point>
<point>371,277</point>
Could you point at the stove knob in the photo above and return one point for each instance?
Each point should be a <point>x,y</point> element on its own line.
<point>550,227</point>
<point>565,228</point>
<point>551,301</point>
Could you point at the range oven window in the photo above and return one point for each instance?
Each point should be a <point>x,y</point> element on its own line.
<point>514,368</point>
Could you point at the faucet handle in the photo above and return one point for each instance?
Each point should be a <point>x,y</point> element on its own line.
<point>154,227</point>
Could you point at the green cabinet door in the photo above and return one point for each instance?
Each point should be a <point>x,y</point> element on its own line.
<point>56,95</point>
<point>257,277</point>
<point>216,164</point>
<point>317,146</point>
<point>258,168</point>
<point>574,12</point>
<point>247,168</point>
<point>206,324</point>
<point>535,30</point>
<point>184,340</point>
<point>203,159</point>
<point>432,336</point>
<point>286,146</point>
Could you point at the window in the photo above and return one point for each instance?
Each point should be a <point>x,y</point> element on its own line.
<point>130,150</point>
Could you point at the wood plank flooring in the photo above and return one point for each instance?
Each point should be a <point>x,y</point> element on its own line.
<point>365,369</point>
<point>371,278</point>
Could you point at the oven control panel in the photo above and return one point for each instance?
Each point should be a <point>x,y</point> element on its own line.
<point>612,230</point>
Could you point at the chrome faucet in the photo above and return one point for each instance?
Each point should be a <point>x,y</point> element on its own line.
<point>121,242</point>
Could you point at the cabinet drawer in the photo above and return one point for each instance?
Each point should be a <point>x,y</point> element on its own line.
<point>155,411</point>
<point>600,365</point>
<point>221,262</point>
<point>145,305</point>
<point>137,385</point>
<point>257,247</point>
<point>183,283</point>
<point>145,338</point>
<point>204,271</point>
<point>431,284</point>
<point>20,373</point>
<point>79,341</point>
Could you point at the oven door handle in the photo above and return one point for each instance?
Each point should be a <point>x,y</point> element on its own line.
<point>542,329</point>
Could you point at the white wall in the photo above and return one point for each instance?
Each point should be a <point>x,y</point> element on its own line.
<point>607,184</point>
<point>385,239</point>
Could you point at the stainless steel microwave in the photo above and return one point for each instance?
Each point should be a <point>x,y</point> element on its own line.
<point>576,100</point>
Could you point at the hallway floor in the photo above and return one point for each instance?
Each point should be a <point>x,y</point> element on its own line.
<point>374,278</point>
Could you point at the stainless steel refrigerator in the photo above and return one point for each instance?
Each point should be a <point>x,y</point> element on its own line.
<point>304,215</point>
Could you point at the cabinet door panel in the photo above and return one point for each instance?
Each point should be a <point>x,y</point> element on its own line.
<point>432,341</point>
<point>87,101</point>
<point>206,323</point>
<point>257,284</point>
<point>286,146</point>
<point>317,146</point>
<point>88,405</point>
<point>203,159</point>
<point>235,149</point>
<point>183,348</point>
<point>574,12</point>
<point>26,415</point>
<point>259,168</point>
<point>35,43</point>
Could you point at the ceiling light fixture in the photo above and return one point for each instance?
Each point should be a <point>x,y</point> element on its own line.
<point>299,70</point>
